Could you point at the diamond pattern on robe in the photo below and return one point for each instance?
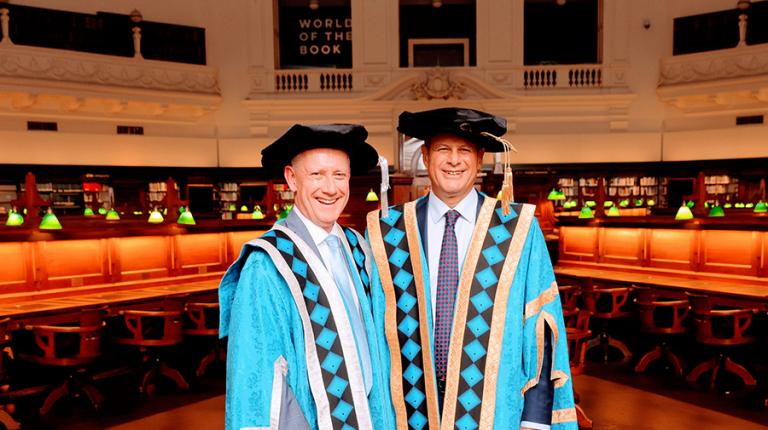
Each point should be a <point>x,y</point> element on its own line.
<point>417,421</point>
<point>359,258</point>
<point>406,302</point>
<point>466,423</point>
<point>320,314</point>
<point>406,317</point>
<point>479,313</point>
<point>329,351</point>
<point>332,362</point>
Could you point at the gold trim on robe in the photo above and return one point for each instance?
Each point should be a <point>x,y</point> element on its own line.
<point>564,415</point>
<point>414,248</point>
<point>499,317</point>
<point>544,318</point>
<point>460,313</point>
<point>547,296</point>
<point>390,319</point>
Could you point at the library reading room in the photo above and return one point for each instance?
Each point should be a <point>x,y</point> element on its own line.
<point>383,214</point>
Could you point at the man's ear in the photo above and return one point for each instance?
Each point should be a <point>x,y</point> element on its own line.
<point>290,177</point>
<point>425,154</point>
<point>480,155</point>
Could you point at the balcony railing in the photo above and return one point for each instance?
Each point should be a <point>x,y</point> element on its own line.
<point>438,82</point>
<point>574,76</point>
<point>740,62</point>
<point>291,81</point>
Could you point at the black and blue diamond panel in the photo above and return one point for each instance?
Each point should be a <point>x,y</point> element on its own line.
<point>329,351</point>
<point>359,257</point>
<point>479,314</point>
<point>407,317</point>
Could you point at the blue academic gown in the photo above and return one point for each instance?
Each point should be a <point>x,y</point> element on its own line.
<point>267,346</point>
<point>533,311</point>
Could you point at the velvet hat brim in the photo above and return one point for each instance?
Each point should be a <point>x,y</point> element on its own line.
<point>466,123</point>
<point>349,138</point>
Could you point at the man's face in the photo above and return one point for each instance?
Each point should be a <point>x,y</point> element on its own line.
<point>319,179</point>
<point>452,163</point>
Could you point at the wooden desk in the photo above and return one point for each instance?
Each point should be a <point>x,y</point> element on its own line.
<point>65,309</point>
<point>736,292</point>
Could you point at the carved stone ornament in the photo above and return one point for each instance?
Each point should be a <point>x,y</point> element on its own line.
<point>37,63</point>
<point>437,84</point>
<point>721,64</point>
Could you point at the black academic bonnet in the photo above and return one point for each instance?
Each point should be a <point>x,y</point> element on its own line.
<point>349,138</point>
<point>467,123</point>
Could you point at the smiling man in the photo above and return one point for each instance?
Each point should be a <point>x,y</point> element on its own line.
<point>472,313</point>
<point>303,353</point>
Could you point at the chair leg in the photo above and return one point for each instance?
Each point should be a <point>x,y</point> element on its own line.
<point>581,418</point>
<point>675,360</point>
<point>740,371</point>
<point>8,422</point>
<point>702,368</point>
<point>55,395</point>
<point>174,375</point>
<point>207,360</point>
<point>648,358</point>
<point>149,375</point>
<point>93,394</point>
<point>622,347</point>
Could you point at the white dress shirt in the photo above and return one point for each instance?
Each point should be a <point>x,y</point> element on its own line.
<point>465,223</point>
<point>319,235</point>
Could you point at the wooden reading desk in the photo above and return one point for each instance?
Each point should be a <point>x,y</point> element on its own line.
<point>49,277</point>
<point>731,293</point>
<point>724,258</point>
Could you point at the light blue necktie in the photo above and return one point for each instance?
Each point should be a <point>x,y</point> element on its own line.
<point>339,268</point>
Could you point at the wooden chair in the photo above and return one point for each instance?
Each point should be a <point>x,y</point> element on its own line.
<point>662,318</point>
<point>569,298</point>
<point>202,319</point>
<point>152,331</point>
<point>5,414</point>
<point>724,329</point>
<point>607,304</point>
<point>577,347</point>
<point>72,346</point>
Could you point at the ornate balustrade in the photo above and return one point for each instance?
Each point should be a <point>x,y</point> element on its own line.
<point>64,82</point>
<point>716,80</point>
<point>329,80</point>
<point>572,76</point>
<point>434,83</point>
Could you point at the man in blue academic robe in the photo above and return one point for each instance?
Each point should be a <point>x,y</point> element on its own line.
<point>295,306</point>
<point>471,310</point>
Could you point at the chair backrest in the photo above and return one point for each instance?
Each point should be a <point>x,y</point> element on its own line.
<point>606,302</point>
<point>3,341</point>
<point>158,327</point>
<point>723,327</point>
<point>202,319</point>
<point>577,341</point>
<point>569,298</point>
<point>65,345</point>
<point>659,316</point>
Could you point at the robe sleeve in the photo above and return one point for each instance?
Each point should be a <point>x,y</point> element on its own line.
<point>543,318</point>
<point>265,343</point>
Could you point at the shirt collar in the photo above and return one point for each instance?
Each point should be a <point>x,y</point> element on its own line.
<point>317,233</point>
<point>467,207</point>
